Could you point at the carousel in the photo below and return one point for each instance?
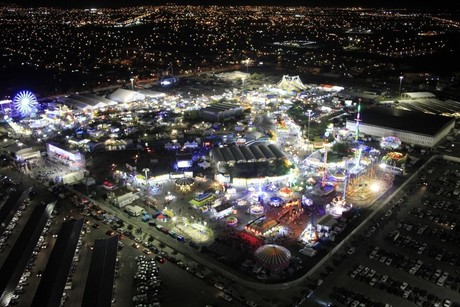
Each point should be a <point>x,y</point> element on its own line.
<point>231,221</point>
<point>185,185</point>
<point>337,207</point>
<point>256,209</point>
<point>276,201</point>
<point>273,257</point>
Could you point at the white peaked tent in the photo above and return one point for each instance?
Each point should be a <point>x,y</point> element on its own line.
<point>291,83</point>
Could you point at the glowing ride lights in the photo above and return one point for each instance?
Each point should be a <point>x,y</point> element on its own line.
<point>25,102</point>
<point>261,226</point>
<point>170,197</point>
<point>256,209</point>
<point>390,142</point>
<point>231,221</point>
<point>375,187</point>
<point>291,211</point>
<point>338,206</point>
<point>358,119</point>
<point>276,201</point>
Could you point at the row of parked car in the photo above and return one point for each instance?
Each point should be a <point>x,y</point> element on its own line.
<point>438,233</point>
<point>349,297</point>
<point>12,225</point>
<point>147,283</point>
<point>441,219</point>
<point>415,267</point>
<point>403,289</point>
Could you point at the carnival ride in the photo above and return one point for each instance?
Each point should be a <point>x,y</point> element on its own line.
<point>25,103</point>
<point>390,143</point>
<point>261,226</point>
<point>276,201</point>
<point>273,257</point>
<point>17,128</point>
<point>343,135</point>
<point>306,202</point>
<point>395,158</point>
<point>310,235</point>
<point>292,209</point>
<point>256,209</point>
<point>358,120</point>
<point>367,185</point>
<point>285,192</point>
<point>326,146</point>
<point>337,207</point>
<point>231,221</point>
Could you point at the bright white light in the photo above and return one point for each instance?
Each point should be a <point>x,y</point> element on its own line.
<point>375,187</point>
<point>25,102</point>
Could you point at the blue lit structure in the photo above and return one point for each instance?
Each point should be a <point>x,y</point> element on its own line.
<point>168,81</point>
<point>25,103</point>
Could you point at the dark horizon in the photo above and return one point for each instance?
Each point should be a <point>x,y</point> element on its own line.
<point>393,4</point>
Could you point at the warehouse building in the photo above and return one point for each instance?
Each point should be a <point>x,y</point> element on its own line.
<point>410,127</point>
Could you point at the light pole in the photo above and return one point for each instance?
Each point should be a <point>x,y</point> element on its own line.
<point>247,66</point>
<point>146,170</point>
<point>309,113</point>
<point>400,85</point>
<point>132,84</point>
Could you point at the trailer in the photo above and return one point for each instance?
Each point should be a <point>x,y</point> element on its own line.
<point>134,210</point>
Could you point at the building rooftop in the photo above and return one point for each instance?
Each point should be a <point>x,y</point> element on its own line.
<point>53,281</point>
<point>10,207</point>
<point>15,264</point>
<point>99,284</point>
<point>417,122</point>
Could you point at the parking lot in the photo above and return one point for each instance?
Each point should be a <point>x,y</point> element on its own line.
<point>408,254</point>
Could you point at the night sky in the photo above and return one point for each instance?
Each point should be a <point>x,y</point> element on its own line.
<point>329,3</point>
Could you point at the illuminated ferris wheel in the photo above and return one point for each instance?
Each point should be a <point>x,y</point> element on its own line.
<point>25,102</point>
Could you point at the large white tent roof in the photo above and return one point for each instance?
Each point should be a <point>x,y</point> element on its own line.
<point>124,96</point>
<point>152,94</point>
<point>86,101</point>
<point>418,95</point>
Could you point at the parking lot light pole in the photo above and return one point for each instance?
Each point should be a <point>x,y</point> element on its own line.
<point>400,85</point>
<point>146,170</point>
<point>309,113</point>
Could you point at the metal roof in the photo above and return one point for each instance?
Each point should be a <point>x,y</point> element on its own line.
<point>99,284</point>
<point>278,153</point>
<point>10,207</point>
<point>16,262</point>
<point>411,121</point>
<point>247,153</point>
<point>53,281</point>
<point>266,151</point>
<point>257,152</point>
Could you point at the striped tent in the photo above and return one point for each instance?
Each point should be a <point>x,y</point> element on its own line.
<point>273,257</point>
